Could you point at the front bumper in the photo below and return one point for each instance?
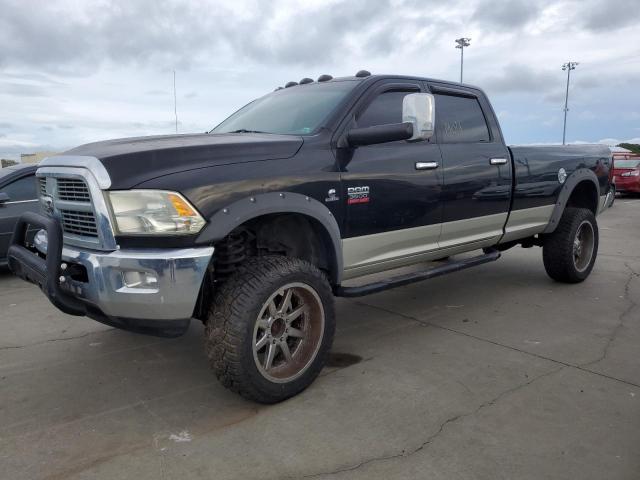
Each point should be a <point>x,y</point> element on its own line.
<point>150,291</point>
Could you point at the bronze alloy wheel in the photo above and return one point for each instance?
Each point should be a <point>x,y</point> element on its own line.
<point>288,333</point>
<point>583,244</point>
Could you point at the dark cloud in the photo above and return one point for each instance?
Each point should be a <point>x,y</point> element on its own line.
<point>314,37</point>
<point>80,38</point>
<point>547,84</point>
<point>518,78</point>
<point>170,33</point>
<point>509,15</point>
<point>600,16</point>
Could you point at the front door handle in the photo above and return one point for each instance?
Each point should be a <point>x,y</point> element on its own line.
<point>498,161</point>
<point>426,165</point>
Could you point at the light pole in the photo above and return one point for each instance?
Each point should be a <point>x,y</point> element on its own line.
<point>461,43</point>
<point>568,67</point>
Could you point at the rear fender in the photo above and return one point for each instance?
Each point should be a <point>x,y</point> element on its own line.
<point>578,176</point>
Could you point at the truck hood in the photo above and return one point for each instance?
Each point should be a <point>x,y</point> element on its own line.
<point>131,161</point>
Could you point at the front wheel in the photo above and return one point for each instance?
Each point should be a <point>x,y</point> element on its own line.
<point>270,328</point>
<point>570,252</point>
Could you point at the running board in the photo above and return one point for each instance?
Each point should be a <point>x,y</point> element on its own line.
<point>402,280</point>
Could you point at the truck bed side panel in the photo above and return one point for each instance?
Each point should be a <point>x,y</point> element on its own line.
<point>537,187</point>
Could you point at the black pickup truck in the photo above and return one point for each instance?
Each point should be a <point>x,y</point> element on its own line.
<point>254,227</point>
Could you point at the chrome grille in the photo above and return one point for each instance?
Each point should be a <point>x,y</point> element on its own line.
<point>42,184</point>
<point>73,190</point>
<point>76,222</point>
<point>75,185</point>
<point>72,202</point>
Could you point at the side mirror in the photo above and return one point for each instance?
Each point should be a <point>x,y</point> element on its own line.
<point>419,109</point>
<point>380,134</point>
<point>4,198</point>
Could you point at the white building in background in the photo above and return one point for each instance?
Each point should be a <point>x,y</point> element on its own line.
<point>619,150</point>
<point>35,157</point>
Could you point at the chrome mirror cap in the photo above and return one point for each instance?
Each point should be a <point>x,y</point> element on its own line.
<point>419,110</point>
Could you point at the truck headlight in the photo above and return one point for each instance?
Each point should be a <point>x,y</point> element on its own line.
<point>153,212</point>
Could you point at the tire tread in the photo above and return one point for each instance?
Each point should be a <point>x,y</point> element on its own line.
<point>225,332</point>
<point>557,251</point>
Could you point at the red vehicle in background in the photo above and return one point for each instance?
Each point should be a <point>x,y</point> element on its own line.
<point>626,173</point>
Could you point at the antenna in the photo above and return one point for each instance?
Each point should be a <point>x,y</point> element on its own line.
<point>175,100</point>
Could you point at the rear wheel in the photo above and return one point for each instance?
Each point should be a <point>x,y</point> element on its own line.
<point>270,328</point>
<point>570,252</point>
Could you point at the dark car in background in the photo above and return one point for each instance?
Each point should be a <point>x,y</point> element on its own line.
<point>626,175</point>
<point>18,194</point>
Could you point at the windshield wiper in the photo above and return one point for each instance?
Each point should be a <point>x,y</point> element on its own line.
<point>244,130</point>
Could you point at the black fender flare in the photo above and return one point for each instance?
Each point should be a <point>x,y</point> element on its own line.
<point>225,220</point>
<point>579,175</point>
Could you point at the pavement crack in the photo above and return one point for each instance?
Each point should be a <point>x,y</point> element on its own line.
<point>621,319</point>
<point>439,431</point>
<point>51,340</point>
<point>426,323</point>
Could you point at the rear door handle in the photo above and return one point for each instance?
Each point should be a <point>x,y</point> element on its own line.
<point>426,165</point>
<point>498,161</point>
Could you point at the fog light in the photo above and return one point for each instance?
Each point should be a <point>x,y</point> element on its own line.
<point>41,241</point>
<point>132,279</point>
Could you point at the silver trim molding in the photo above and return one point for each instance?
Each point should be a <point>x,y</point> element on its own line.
<point>16,202</point>
<point>92,164</point>
<point>527,222</point>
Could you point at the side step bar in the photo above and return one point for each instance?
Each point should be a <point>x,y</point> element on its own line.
<point>402,280</point>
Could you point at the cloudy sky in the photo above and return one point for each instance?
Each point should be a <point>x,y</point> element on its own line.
<point>74,71</point>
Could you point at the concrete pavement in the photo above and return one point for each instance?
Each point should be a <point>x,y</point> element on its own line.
<point>496,372</point>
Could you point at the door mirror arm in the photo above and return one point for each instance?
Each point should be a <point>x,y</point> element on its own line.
<point>379,134</point>
<point>4,198</point>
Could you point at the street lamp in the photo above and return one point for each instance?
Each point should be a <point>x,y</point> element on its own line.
<point>568,67</point>
<point>461,43</point>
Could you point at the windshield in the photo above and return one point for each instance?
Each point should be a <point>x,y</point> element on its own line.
<point>626,163</point>
<point>296,110</point>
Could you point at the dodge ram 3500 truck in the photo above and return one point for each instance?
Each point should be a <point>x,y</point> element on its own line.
<point>255,226</point>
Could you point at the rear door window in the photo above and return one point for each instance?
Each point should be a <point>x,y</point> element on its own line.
<point>460,120</point>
